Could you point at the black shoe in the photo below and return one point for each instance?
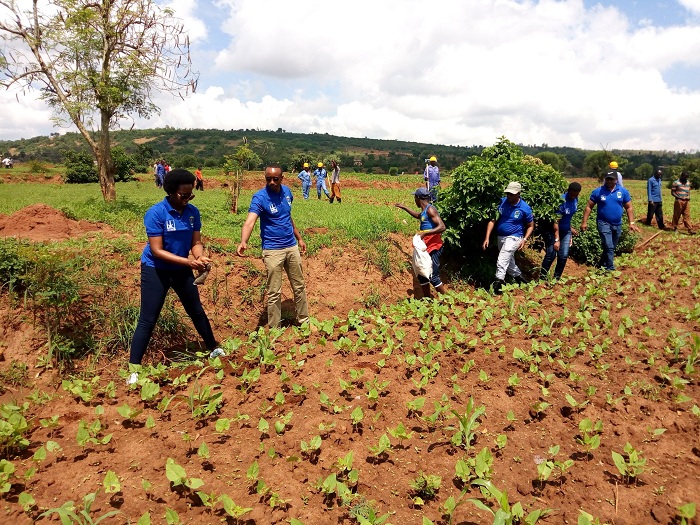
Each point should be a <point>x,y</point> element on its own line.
<point>497,285</point>
<point>520,279</point>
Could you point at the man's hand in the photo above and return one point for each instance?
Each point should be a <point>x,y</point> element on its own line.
<point>574,231</point>
<point>241,248</point>
<point>302,246</point>
<point>557,246</point>
<point>486,244</point>
<point>584,227</point>
<point>634,228</point>
<point>522,244</point>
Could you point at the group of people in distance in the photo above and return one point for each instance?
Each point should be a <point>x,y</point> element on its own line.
<point>173,228</point>
<point>321,174</point>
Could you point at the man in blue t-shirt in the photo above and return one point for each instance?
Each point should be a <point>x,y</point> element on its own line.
<point>612,200</point>
<point>514,227</point>
<point>557,240</point>
<point>432,177</point>
<point>282,244</point>
<point>321,174</point>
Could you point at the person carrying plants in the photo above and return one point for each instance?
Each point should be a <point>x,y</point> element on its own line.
<point>558,239</point>
<point>199,185</point>
<point>654,206</point>
<point>612,199</point>
<point>432,177</point>
<point>305,178</point>
<point>282,244</point>
<point>335,182</point>
<point>514,227</point>
<point>320,174</point>
<point>430,230</point>
<point>173,228</point>
<point>681,207</point>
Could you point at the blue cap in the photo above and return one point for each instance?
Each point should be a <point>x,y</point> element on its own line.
<point>422,193</point>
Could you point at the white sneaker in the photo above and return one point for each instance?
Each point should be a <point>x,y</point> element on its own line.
<point>132,379</point>
<point>216,353</point>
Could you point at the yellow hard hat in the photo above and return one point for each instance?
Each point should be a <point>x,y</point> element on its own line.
<point>306,164</point>
<point>433,159</point>
<point>320,164</point>
<point>613,165</point>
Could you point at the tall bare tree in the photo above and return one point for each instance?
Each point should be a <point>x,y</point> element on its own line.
<point>95,62</point>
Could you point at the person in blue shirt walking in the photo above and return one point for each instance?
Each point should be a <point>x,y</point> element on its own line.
<point>282,244</point>
<point>160,173</point>
<point>305,178</point>
<point>321,174</point>
<point>514,227</point>
<point>612,200</point>
<point>173,229</point>
<point>432,177</point>
<point>558,239</point>
<point>654,206</point>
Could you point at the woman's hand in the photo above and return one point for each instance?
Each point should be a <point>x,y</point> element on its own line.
<point>198,264</point>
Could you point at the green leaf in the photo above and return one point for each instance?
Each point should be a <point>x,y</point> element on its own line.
<point>111,483</point>
<point>172,517</point>
<point>174,472</point>
<point>145,519</point>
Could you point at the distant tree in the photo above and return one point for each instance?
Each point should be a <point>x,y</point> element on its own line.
<point>644,171</point>
<point>187,162</point>
<point>393,171</point>
<point>597,164</point>
<point>558,162</point>
<point>246,157</point>
<point>95,63</point>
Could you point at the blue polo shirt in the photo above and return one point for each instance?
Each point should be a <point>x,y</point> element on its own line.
<point>275,212</point>
<point>162,220</point>
<point>566,211</point>
<point>610,203</point>
<point>512,220</point>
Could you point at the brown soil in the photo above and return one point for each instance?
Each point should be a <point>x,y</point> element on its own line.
<point>340,280</point>
<point>39,222</point>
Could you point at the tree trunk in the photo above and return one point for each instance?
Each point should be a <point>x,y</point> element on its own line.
<point>235,189</point>
<point>105,165</point>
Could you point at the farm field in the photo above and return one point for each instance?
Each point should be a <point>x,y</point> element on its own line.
<point>555,402</point>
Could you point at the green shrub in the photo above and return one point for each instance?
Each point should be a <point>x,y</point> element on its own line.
<point>393,171</point>
<point>124,165</point>
<point>80,167</point>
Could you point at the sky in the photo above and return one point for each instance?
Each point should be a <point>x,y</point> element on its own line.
<point>613,74</point>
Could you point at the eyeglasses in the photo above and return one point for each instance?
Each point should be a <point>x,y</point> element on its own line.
<point>271,179</point>
<point>186,197</point>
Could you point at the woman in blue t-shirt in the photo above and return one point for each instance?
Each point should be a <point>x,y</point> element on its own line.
<point>173,229</point>
<point>557,239</point>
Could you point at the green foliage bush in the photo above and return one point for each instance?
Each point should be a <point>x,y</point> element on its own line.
<point>124,165</point>
<point>477,189</point>
<point>80,167</point>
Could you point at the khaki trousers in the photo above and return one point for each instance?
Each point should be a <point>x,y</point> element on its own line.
<point>275,261</point>
<point>681,209</point>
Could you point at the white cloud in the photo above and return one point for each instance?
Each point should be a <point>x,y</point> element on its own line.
<point>691,5</point>
<point>548,71</point>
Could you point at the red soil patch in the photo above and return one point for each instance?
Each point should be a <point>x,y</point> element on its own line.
<point>39,223</point>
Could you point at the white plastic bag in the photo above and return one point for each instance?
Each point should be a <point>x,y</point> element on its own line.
<point>422,262</point>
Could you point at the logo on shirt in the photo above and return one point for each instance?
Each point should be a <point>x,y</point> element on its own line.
<point>170,226</point>
<point>567,211</point>
<point>619,194</point>
<point>602,197</point>
<point>273,208</point>
<point>516,215</point>
<point>192,221</point>
<point>289,201</point>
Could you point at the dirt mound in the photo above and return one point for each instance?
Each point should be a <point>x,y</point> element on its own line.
<point>40,222</point>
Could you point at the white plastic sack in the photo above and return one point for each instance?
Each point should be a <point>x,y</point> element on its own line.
<point>422,263</point>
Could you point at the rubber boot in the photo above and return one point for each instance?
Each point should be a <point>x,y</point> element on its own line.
<point>330,200</point>
<point>496,286</point>
<point>520,279</point>
<point>339,200</point>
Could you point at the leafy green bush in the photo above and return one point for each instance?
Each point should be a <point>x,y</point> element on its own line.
<point>124,165</point>
<point>477,188</point>
<point>80,167</point>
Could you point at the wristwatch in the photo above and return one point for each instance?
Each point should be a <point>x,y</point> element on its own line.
<point>556,240</point>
